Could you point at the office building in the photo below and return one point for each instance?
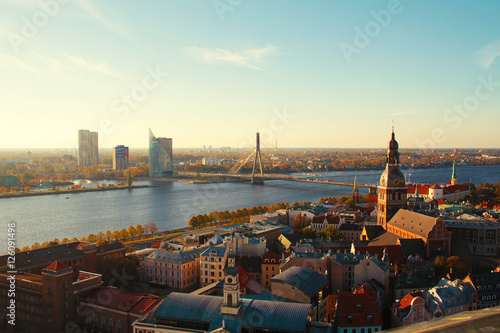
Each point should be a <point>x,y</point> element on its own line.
<point>120,158</point>
<point>161,162</point>
<point>88,148</point>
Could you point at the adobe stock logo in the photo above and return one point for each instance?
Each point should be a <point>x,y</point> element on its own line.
<point>32,26</point>
<point>223,6</point>
<point>363,37</point>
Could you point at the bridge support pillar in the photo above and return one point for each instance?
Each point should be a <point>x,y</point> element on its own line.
<point>373,190</point>
<point>257,181</point>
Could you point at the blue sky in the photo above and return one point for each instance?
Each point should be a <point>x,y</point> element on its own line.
<point>330,74</point>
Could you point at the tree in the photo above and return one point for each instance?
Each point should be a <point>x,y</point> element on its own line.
<point>26,178</point>
<point>220,216</point>
<point>193,222</point>
<point>27,189</point>
<point>107,235</point>
<point>100,236</point>
<point>132,232</point>
<point>129,179</point>
<point>139,230</point>
<point>299,222</point>
<point>25,248</point>
<point>308,232</point>
<point>36,246</point>
<point>65,240</point>
<point>330,232</point>
<point>350,202</point>
<point>124,233</point>
<point>116,235</point>
<point>453,264</point>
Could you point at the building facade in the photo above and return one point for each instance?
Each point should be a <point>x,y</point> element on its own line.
<point>450,297</point>
<point>392,190</point>
<point>487,286</point>
<point>46,302</point>
<point>270,267</point>
<point>173,268</point>
<point>482,235</point>
<point>88,148</point>
<point>212,264</point>
<point>412,225</point>
<point>161,163</point>
<point>410,310</point>
<point>120,158</point>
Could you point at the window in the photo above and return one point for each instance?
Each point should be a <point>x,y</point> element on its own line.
<point>103,321</point>
<point>111,324</point>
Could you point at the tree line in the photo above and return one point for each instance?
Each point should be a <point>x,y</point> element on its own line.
<point>101,238</point>
<point>203,220</point>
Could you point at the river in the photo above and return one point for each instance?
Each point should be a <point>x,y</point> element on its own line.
<point>171,204</point>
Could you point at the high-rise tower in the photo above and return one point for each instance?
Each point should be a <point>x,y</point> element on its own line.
<point>392,191</point>
<point>161,163</point>
<point>88,148</point>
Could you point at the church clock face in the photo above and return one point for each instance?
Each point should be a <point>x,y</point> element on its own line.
<point>229,280</point>
<point>397,182</point>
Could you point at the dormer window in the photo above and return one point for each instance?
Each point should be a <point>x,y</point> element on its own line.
<point>369,318</point>
<point>350,319</point>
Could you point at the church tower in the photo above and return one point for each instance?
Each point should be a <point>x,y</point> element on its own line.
<point>454,175</point>
<point>231,303</point>
<point>392,190</point>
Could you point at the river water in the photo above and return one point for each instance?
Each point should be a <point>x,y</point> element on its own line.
<point>171,204</point>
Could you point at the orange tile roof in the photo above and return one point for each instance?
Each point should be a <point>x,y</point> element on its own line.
<point>56,265</point>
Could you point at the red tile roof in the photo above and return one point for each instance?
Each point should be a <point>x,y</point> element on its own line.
<point>422,189</point>
<point>359,307</point>
<point>330,218</point>
<point>393,251</point>
<point>156,245</point>
<point>454,188</point>
<point>120,300</point>
<point>56,265</point>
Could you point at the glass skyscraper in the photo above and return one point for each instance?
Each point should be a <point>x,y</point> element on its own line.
<point>161,163</point>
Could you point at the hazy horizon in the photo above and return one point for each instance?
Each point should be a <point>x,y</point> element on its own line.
<point>322,74</point>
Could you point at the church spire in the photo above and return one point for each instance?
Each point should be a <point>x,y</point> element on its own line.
<point>454,175</point>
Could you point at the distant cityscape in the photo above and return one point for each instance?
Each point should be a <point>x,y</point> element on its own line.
<point>400,255</point>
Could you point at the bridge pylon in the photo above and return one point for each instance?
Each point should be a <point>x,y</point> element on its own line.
<point>257,180</point>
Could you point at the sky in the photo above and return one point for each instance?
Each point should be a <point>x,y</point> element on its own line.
<point>322,74</point>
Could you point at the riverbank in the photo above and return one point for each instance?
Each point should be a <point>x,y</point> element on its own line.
<point>52,192</point>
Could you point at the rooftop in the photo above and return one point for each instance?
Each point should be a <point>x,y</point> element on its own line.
<point>304,279</point>
<point>120,300</point>
<point>415,223</point>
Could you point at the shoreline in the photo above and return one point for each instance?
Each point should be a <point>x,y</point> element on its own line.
<point>50,192</point>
